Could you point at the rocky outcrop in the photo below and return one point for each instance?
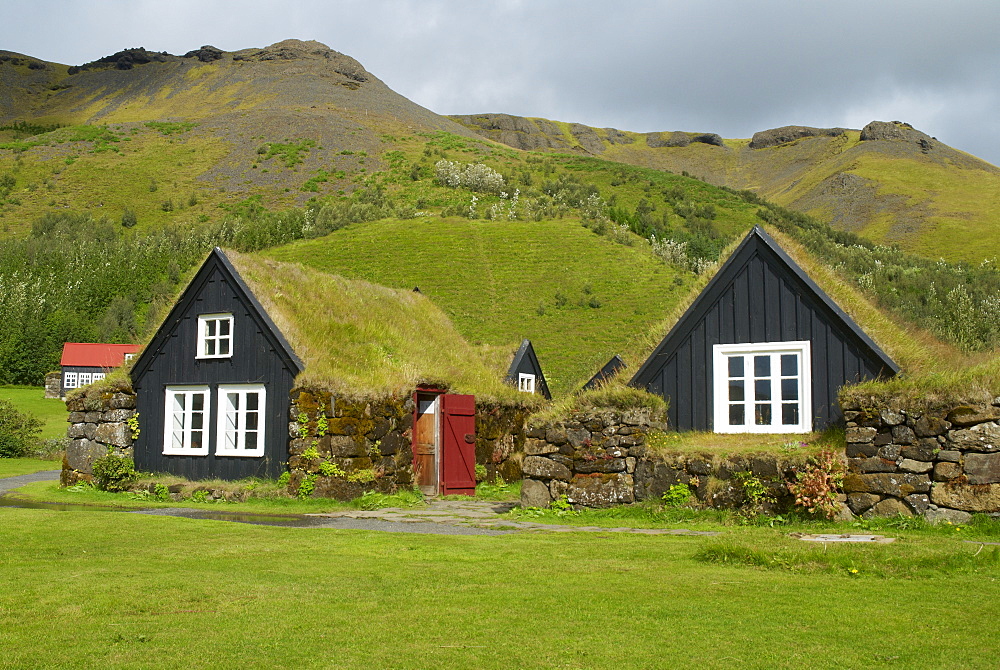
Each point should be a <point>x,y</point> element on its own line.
<point>785,134</point>
<point>681,139</point>
<point>126,60</point>
<point>206,54</point>
<point>897,131</point>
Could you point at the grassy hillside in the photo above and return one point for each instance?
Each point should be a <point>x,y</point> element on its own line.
<point>580,298</point>
<point>898,187</point>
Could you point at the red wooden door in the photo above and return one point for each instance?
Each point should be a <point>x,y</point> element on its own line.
<point>425,441</point>
<point>458,456</point>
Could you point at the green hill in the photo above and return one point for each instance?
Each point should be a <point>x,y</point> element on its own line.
<point>888,182</point>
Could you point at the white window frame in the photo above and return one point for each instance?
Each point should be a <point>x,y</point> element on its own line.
<point>720,378</point>
<point>168,421</point>
<point>70,380</point>
<point>525,382</point>
<point>97,376</point>
<point>228,431</point>
<point>129,357</point>
<point>204,337</point>
<point>83,379</point>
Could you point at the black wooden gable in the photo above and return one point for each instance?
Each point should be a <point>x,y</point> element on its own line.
<point>260,356</point>
<point>759,295</point>
<point>526,362</point>
<point>609,370</point>
<point>215,266</point>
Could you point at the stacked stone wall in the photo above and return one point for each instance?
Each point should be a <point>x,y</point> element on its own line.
<point>591,458</point>
<point>53,385</point>
<point>98,425</point>
<point>606,458</point>
<point>942,464</point>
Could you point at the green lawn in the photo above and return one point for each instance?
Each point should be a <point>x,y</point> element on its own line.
<point>106,589</point>
<point>31,399</point>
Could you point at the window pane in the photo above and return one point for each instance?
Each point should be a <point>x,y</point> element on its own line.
<point>736,415</point>
<point>209,347</point>
<point>252,399</point>
<point>761,366</point>
<point>789,365</point>
<point>251,440</point>
<point>179,400</point>
<point>762,389</point>
<point>196,439</point>
<point>210,328</point>
<point>198,402</point>
<point>223,347</point>
<point>197,420</point>
<point>233,400</point>
<point>224,327</point>
<point>736,389</point>
<point>251,421</point>
<point>790,414</point>
<point>790,389</point>
<point>762,415</point>
<point>735,366</point>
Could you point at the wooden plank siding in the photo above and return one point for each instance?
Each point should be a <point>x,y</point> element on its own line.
<point>759,295</point>
<point>260,356</point>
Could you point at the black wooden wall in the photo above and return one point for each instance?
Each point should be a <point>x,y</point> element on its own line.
<point>259,356</point>
<point>759,295</point>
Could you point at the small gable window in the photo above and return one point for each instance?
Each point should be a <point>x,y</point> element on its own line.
<point>215,336</point>
<point>241,420</point>
<point>525,382</point>
<point>762,388</point>
<point>187,419</point>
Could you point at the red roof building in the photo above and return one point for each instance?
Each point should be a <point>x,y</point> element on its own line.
<point>86,362</point>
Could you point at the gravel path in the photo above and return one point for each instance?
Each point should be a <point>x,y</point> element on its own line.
<point>439,517</point>
<point>8,483</point>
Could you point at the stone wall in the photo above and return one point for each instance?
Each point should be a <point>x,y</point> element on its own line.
<point>367,441</point>
<point>591,458</point>
<point>942,464</point>
<point>606,458</point>
<point>98,423</point>
<point>53,385</point>
<point>500,439</point>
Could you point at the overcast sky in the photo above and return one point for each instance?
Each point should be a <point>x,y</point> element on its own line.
<point>726,66</point>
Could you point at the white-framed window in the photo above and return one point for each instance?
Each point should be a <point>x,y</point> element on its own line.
<point>129,357</point>
<point>187,416</point>
<point>525,382</point>
<point>83,379</point>
<point>215,336</point>
<point>97,376</point>
<point>241,420</point>
<point>70,380</point>
<point>762,387</point>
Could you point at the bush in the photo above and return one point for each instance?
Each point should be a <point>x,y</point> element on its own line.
<point>114,473</point>
<point>18,431</point>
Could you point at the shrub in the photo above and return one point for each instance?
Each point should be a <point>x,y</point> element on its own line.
<point>18,431</point>
<point>114,473</point>
<point>677,496</point>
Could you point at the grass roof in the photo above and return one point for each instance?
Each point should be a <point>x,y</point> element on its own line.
<point>915,350</point>
<point>364,340</point>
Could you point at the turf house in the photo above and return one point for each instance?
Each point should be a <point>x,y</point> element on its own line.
<point>262,367</point>
<point>761,349</point>
<point>525,372</point>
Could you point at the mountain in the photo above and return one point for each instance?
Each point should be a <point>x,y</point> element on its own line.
<point>152,132</point>
<point>888,181</point>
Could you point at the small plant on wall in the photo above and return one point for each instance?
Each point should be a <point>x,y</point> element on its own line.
<point>815,487</point>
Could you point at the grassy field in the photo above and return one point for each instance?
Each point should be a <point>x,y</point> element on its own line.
<point>189,593</point>
<point>31,399</point>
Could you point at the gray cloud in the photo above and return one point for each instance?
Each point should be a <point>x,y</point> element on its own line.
<point>726,66</point>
